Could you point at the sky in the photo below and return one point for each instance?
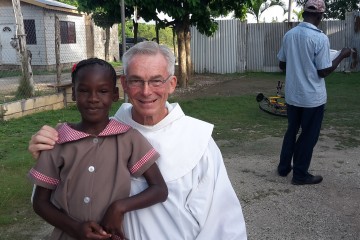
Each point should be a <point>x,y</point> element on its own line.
<point>276,13</point>
<point>273,13</point>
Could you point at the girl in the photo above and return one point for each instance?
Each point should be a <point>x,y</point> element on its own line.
<point>83,183</point>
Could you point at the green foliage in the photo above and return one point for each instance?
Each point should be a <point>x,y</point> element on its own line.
<point>202,12</point>
<point>104,13</point>
<point>129,26</point>
<point>24,90</point>
<point>257,7</point>
<point>336,9</point>
<point>166,36</point>
<point>298,15</point>
<point>148,31</point>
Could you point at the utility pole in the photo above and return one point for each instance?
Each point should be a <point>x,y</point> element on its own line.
<point>25,63</point>
<point>289,12</point>
<point>122,5</point>
<point>57,50</point>
<point>123,45</point>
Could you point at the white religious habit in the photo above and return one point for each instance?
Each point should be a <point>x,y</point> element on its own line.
<point>202,203</point>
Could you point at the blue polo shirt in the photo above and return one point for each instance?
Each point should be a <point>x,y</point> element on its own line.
<point>305,49</point>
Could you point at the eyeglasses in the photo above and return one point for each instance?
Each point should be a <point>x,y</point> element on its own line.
<point>154,83</point>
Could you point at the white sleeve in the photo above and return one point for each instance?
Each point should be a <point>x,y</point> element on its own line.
<point>213,201</point>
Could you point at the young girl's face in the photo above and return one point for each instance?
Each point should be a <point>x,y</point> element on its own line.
<point>94,92</point>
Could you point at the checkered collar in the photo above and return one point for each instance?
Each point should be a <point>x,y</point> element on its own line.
<point>68,134</point>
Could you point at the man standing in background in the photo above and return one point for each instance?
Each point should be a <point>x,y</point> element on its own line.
<point>305,56</point>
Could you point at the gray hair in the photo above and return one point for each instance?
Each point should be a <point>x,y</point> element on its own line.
<point>149,48</point>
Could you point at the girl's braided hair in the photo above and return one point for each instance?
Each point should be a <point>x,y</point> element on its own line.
<point>89,62</point>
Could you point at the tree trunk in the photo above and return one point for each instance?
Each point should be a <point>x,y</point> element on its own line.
<point>26,88</point>
<point>136,26</point>
<point>174,42</point>
<point>188,52</point>
<point>182,78</point>
<point>107,44</point>
<point>157,32</point>
<point>57,50</point>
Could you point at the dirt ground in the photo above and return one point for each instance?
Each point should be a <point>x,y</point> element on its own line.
<point>274,208</point>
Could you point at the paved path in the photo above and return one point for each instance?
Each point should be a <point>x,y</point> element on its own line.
<point>10,84</point>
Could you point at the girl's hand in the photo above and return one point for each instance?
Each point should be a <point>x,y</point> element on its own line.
<point>92,230</point>
<point>113,220</point>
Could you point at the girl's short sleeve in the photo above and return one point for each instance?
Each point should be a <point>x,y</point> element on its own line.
<point>46,172</point>
<point>143,155</point>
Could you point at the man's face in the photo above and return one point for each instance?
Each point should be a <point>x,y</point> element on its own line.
<point>148,102</point>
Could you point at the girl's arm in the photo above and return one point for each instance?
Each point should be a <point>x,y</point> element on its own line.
<point>155,193</point>
<point>45,209</point>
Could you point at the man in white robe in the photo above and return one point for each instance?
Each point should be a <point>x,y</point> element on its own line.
<point>202,203</point>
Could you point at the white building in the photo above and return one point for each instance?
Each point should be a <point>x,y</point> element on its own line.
<point>80,38</point>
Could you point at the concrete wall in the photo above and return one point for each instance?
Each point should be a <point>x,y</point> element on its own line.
<point>25,107</point>
<point>56,101</point>
<point>96,41</point>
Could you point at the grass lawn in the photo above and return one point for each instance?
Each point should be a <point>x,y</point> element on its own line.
<point>116,64</point>
<point>15,73</point>
<point>235,118</point>
<point>238,117</point>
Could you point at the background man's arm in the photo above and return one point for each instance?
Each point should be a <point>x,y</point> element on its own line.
<point>345,52</point>
<point>282,65</point>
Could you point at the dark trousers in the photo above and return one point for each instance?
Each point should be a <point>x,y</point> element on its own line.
<point>300,149</point>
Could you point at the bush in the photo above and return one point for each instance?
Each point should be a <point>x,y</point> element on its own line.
<point>24,90</point>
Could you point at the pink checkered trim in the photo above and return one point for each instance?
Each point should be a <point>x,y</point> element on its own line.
<point>142,161</point>
<point>114,128</point>
<point>68,134</point>
<point>44,178</point>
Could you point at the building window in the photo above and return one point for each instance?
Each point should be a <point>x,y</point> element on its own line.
<point>30,31</point>
<point>67,32</point>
